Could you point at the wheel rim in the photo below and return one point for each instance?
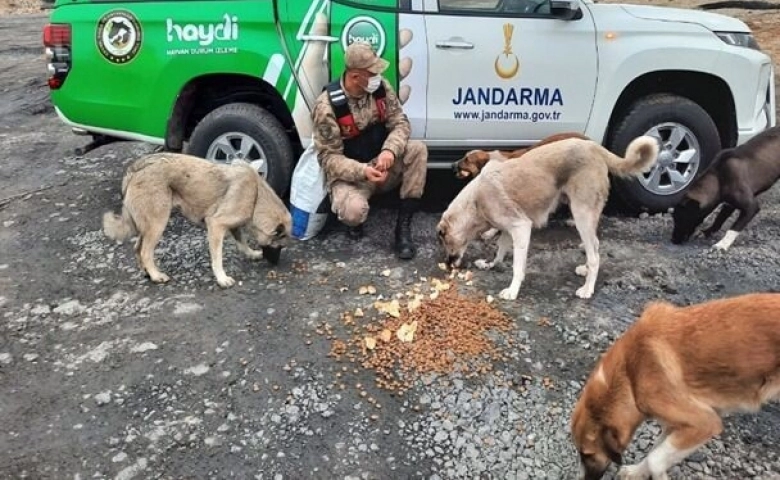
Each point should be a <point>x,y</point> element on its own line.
<point>678,159</point>
<point>236,145</point>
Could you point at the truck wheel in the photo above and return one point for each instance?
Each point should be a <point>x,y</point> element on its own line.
<point>246,131</point>
<point>688,139</point>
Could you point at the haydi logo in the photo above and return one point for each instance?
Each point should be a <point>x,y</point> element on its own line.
<point>364,29</point>
<point>203,34</point>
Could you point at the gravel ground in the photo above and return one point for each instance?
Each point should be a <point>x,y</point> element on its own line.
<point>105,375</point>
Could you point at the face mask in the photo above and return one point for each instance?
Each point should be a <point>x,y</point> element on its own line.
<point>373,83</point>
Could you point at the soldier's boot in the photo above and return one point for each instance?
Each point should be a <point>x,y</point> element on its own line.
<point>404,246</point>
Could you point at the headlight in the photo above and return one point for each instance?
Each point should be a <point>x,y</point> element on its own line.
<point>739,39</point>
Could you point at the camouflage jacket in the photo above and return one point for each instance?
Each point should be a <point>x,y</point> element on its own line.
<point>327,134</point>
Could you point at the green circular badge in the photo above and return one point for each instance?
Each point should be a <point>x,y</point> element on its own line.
<point>364,29</point>
<point>118,36</point>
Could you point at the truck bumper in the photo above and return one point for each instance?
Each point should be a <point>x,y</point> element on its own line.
<point>765,113</point>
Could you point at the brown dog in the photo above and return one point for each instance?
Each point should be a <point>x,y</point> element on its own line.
<point>223,197</point>
<point>473,162</point>
<point>684,367</point>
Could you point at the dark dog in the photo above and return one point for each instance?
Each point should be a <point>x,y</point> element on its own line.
<point>735,178</point>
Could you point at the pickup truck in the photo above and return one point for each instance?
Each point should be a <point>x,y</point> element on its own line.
<point>236,78</point>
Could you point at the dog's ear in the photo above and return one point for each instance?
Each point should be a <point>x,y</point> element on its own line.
<point>441,233</point>
<point>441,229</point>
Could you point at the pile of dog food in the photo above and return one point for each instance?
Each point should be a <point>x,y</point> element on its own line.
<point>430,329</point>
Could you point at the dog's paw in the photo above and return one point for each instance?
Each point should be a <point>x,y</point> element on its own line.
<point>584,292</point>
<point>727,241</point>
<point>226,282</point>
<point>159,277</point>
<point>632,472</point>
<point>508,294</point>
<point>581,270</point>
<point>483,264</point>
<point>254,254</point>
<point>721,246</point>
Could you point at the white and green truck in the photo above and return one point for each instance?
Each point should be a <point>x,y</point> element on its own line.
<point>236,78</point>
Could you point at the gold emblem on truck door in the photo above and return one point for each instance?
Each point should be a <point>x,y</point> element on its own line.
<point>507,64</point>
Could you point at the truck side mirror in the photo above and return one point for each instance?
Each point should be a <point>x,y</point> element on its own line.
<point>565,9</point>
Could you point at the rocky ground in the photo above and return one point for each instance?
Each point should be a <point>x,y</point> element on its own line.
<point>104,375</point>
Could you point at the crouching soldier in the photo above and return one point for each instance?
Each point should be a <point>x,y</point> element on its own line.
<point>362,139</point>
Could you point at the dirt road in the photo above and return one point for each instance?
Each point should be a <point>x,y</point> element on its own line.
<point>104,375</point>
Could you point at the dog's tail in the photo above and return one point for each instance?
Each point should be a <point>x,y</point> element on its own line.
<point>119,227</point>
<point>641,154</point>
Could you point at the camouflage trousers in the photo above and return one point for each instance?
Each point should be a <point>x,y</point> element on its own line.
<point>349,201</point>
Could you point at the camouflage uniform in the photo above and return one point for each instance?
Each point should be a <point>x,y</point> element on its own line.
<point>345,177</point>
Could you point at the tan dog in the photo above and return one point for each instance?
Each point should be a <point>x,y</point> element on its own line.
<point>222,197</point>
<point>473,162</point>
<point>514,197</point>
<point>684,367</point>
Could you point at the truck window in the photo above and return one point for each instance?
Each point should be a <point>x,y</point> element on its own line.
<point>384,5</point>
<point>495,7</point>
<point>468,5</point>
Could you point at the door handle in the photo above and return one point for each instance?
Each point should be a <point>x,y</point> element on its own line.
<point>454,44</point>
<point>318,38</point>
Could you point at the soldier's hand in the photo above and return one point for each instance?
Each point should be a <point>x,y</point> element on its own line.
<point>374,175</point>
<point>385,160</point>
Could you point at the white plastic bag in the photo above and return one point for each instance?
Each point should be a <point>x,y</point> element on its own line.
<point>309,202</point>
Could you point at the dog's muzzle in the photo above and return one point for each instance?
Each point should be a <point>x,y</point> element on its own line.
<point>272,254</point>
<point>460,172</point>
<point>453,261</point>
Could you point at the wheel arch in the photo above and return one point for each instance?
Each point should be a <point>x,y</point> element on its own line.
<point>708,91</point>
<point>203,94</point>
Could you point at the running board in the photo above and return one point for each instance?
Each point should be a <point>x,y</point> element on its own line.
<point>443,159</point>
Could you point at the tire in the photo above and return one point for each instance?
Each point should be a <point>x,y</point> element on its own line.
<point>679,162</point>
<point>244,130</point>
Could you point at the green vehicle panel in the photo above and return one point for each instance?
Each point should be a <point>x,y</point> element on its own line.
<point>136,92</point>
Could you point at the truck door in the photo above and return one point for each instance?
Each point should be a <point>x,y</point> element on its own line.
<point>397,33</point>
<point>507,72</point>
